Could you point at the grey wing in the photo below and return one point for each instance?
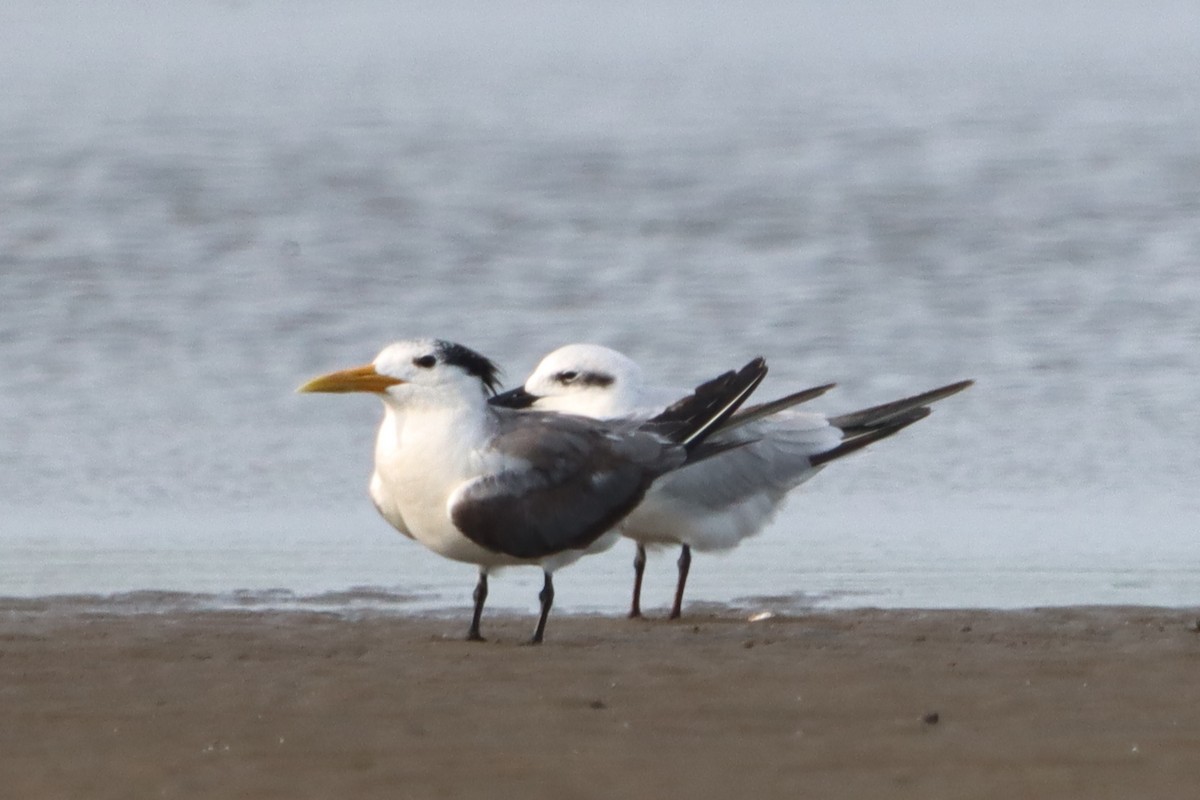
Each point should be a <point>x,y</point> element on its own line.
<point>779,460</point>
<point>568,481</point>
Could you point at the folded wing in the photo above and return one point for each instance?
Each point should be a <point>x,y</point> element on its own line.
<point>567,480</point>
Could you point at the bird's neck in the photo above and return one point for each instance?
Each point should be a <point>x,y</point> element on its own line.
<point>597,405</point>
<point>414,437</point>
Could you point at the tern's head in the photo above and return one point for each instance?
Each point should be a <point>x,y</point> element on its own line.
<point>584,379</point>
<point>428,369</point>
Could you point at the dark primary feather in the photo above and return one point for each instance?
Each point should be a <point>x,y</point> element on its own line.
<point>866,436</point>
<point>748,414</point>
<point>873,416</point>
<point>582,478</point>
<point>861,428</point>
<point>690,420</point>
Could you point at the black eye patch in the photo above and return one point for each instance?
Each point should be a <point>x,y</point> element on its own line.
<point>425,362</point>
<point>584,378</point>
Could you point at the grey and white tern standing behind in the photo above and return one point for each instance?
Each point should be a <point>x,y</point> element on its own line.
<point>495,487</point>
<point>716,504</point>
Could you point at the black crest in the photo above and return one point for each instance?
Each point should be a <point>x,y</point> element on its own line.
<point>470,362</point>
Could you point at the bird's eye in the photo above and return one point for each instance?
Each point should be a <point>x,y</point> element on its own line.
<point>425,362</point>
<point>567,377</point>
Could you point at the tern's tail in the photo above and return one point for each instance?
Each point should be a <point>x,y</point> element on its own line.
<point>690,420</point>
<point>861,428</point>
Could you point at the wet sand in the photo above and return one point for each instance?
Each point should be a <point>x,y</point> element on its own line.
<point>1064,703</point>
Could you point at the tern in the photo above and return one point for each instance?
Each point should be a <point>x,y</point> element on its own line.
<point>494,487</point>
<point>712,505</point>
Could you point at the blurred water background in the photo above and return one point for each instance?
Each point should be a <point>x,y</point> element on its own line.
<point>204,203</point>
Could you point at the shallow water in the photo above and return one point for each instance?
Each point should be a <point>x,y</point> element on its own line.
<point>204,205</point>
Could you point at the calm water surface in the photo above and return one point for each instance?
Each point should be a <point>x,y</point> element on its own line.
<point>203,205</point>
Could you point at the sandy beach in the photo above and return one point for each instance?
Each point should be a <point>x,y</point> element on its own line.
<point>1085,702</point>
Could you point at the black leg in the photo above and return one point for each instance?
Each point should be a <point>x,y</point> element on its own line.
<point>639,568</point>
<point>546,595</point>
<point>685,563</point>
<point>480,595</point>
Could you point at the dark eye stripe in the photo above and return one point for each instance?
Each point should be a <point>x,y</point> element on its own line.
<point>425,362</point>
<point>585,378</point>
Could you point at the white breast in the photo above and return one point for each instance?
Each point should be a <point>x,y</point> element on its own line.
<point>420,460</point>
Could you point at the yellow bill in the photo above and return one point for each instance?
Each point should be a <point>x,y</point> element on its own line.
<point>356,379</point>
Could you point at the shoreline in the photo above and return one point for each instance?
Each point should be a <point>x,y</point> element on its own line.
<point>1066,702</point>
<point>380,601</point>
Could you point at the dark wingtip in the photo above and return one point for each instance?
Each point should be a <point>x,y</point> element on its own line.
<point>954,388</point>
<point>691,419</point>
<point>748,414</point>
<point>875,415</point>
<point>894,425</point>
